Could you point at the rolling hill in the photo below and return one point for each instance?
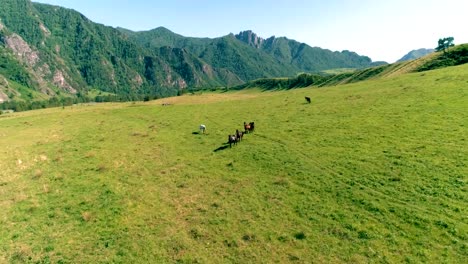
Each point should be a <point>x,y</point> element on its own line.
<point>371,171</point>
<point>454,56</point>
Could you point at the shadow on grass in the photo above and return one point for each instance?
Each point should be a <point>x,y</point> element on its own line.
<point>199,133</point>
<point>223,147</point>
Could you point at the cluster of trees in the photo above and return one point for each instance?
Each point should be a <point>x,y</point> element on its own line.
<point>19,106</point>
<point>125,98</point>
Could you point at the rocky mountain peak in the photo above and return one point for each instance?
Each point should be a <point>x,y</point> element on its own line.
<point>250,38</point>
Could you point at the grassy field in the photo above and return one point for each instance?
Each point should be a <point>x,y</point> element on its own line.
<point>369,172</point>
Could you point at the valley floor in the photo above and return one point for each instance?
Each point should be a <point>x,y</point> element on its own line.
<point>368,172</point>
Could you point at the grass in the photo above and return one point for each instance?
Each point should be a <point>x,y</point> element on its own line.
<point>368,172</point>
<point>95,92</point>
<point>339,70</point>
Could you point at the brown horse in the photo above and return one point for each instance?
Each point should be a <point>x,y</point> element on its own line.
<point>252,126</point>
<point>249,127</point>
<point>246,128</point>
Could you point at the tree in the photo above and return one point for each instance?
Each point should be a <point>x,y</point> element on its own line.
<point>444,44</point>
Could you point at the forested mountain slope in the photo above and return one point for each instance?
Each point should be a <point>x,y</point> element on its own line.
<point>49,51</point>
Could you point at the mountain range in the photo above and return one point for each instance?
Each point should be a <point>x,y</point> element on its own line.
<point>48,51</point>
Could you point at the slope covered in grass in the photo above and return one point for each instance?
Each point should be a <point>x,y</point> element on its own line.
<point>374,171</point>
<point>454,56</point>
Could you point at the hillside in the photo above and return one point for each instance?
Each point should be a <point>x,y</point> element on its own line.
<point>373,171</point>
<point>66,53</point>
<point>52,52</point>
<point>454,56</point>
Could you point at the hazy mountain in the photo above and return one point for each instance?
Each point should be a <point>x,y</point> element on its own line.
<point>415,54</point>
<point>53,51</point>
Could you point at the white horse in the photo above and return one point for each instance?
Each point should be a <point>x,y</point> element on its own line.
<point>202,129</point>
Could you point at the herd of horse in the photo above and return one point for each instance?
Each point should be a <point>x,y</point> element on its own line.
<point>237,137</point>
<point>248,128</point>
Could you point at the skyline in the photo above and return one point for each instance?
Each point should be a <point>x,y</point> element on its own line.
<point>383,31</point>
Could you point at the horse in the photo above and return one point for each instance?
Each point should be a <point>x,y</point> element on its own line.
<point>202,129</point>
<point>239,135</point>
<point>246,127</point>
<point>232,140</point>
<point>307,99</point>
<point>252,126</point>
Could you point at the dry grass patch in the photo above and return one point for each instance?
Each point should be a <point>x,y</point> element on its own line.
<point>90,154</point>
<point>208,98</point>
<point>86,216</point>
<point>139,134</point>
<point>22,254</point>
<point>101,168</point>
<point>37,174</point>
<point>46,188</point>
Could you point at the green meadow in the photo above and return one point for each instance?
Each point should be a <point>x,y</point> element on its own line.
<point>374,171</point>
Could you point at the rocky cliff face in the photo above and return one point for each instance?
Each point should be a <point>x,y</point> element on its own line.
<point>30,57</point>
<point>22,50</point>
<point>4,85</point>
<point>250,38</point>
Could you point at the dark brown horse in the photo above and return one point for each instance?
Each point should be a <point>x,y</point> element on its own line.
<point>239,135</point>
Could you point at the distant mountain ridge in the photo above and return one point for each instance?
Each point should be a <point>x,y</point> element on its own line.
<point>291,56</point>
<point>303,56</point>
<point>415,54</point>
<point>49,51</point>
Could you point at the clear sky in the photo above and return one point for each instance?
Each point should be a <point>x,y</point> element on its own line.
<point>381,29</point>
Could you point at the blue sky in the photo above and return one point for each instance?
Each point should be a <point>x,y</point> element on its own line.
<point>382,30</point>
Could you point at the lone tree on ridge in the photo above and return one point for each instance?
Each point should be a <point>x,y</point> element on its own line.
<point>444,44</point>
